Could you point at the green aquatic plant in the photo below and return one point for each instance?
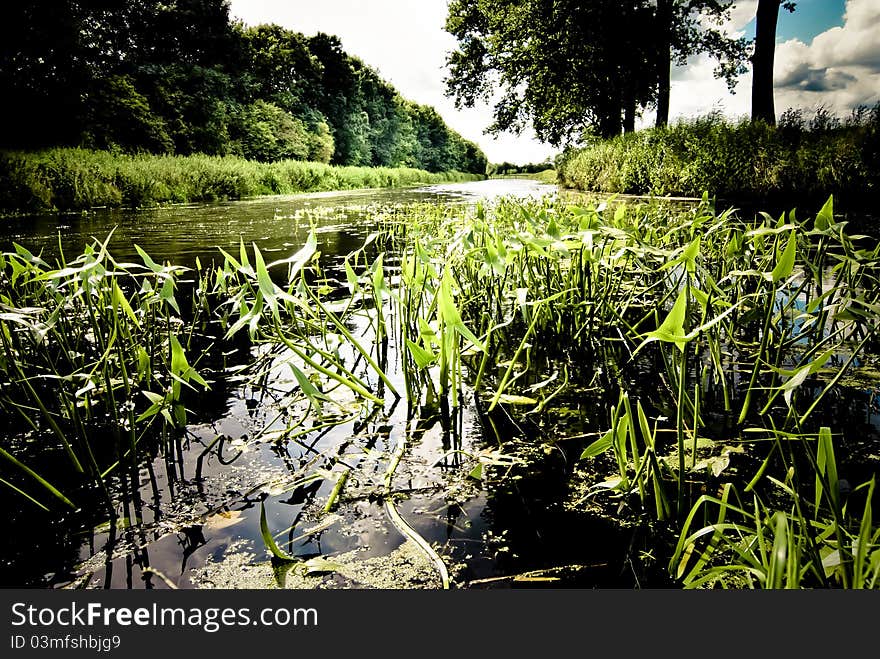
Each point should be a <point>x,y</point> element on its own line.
<point>675,358</point>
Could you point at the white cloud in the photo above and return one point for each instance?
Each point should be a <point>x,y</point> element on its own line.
<point>839,70</point>
<point>741,14</point>
<point>857,43</point>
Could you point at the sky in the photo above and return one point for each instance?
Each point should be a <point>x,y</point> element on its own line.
<point>828,55</point>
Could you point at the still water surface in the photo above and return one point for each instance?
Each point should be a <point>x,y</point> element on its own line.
<point>180,233</point>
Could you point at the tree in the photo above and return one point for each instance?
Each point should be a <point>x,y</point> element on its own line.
<point>766,17</point>
<point>684,28</point>
<point>42,73</point>
<point>118,115</point>
<point>548,62</point>
<point>573,67</point>
<point>177,76</point>
<point>278,67</point>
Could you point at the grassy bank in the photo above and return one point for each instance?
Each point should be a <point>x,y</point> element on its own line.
<point>74,179</point>
<point>801,161</point>
<point>545,176</point>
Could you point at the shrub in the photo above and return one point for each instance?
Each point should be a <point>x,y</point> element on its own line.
<point>802,159</point>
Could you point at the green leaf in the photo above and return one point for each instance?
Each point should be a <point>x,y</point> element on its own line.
<point>150,263</point>
<point>297,261</point>
<point>180,366</point>
<point>671,329</point>
<point>276,551</point>
<point>308,388</point>
<point>599,446</point>
<point>827,467</point>
<point>450,314</point>
<point>798,376</point>
<point>825,218</point>
<point>166,294</point>
<point>267,286</point>
<point>690,255</point>
<point>350,277</point>
<point>477,472</point>
<point>423,358</point>
<point>785,263</point>
<point>120,300</point>
<point>779,553</point>
<point>157,405</point>
<point>143,363</point>
<point>379,286</point>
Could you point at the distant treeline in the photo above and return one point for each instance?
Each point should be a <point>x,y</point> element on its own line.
<point>76,179</point>
<point>801,161</point>
<point>509,168</point>
<point>179,77</point>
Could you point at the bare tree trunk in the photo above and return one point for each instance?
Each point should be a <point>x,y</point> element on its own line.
<point>763,107</point>
<point>664,60</point>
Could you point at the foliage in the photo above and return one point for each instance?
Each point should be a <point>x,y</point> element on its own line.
<point>76,179</point>
<point>506,168</point>
<point>738,161</point>
<point>574,68</point>
<point>265,132</point>
<point>179,77</point>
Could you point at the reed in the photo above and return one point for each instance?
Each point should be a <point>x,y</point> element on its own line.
<point>80,179</point>
<point>689,339</point>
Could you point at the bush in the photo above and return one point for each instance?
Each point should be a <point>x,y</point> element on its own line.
<point>802,159</point>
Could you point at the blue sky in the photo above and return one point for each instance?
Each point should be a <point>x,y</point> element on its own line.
<point>828,55</point>
<point>809,19</point>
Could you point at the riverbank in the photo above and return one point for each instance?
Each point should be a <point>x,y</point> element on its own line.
<point>549,176</point>
<point>79,179</point>
<point>799,163</point>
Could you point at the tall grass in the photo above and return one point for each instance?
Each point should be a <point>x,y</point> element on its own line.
<point>799,161</point>
<point>76,179</point>
<point>707,335</point>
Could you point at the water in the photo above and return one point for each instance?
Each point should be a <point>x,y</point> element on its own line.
<point>195,508</point>
<point>181,233</point>
<point>192,513</point>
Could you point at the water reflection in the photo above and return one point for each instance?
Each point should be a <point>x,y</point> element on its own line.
<point>199,491</point>
<point>183,232</point>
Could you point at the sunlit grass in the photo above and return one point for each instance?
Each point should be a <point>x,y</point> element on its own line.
<point>78,179</point>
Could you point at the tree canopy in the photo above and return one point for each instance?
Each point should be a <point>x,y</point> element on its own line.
<point>574,68</point>
<point>178,76</point>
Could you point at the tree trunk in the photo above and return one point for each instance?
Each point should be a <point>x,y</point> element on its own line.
<point>629,110</point>
<point>609,125</point>
<point>664,60</point>
<point>763,108</point>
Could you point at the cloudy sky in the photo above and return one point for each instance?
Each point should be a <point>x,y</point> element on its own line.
<point>828,55</point>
